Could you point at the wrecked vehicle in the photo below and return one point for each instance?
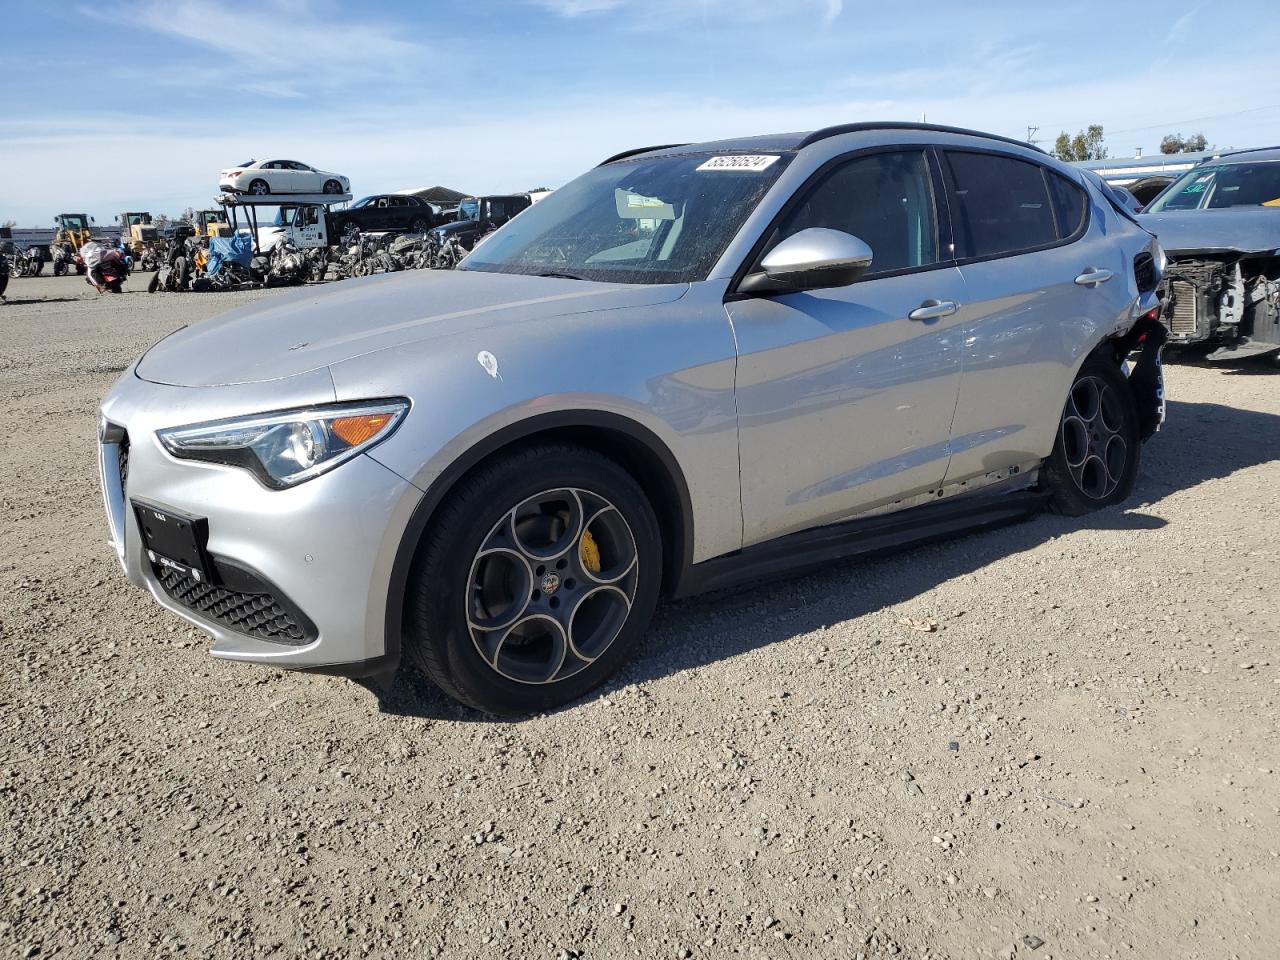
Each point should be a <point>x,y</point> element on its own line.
<point>1219,225</point>
<point>692,367</point>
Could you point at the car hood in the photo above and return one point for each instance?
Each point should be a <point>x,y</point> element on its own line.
<point>296,332</point>
<point>1242,230</point>
<point>457,226</point>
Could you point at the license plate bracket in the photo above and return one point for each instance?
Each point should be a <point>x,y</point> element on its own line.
<point>174,539</point>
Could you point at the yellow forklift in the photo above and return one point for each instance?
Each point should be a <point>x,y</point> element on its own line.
<point>141,237</point>
<point>212,223</point>
<point>71,231</point>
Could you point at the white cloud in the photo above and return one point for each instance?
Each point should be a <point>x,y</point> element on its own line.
<point>660,14</point>
<point>576,8</point>
<point>279,48</point>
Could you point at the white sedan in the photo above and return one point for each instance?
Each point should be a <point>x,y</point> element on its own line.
<point>261,177</point>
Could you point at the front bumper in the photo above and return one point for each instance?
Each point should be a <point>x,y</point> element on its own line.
<point>300,576</point>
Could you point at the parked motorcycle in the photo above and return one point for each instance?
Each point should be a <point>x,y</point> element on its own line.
<point>105,268</point>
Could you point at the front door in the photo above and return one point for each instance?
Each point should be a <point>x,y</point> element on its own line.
<point>844,401</point>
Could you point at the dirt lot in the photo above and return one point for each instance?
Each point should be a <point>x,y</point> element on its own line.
<point>1081,761</point>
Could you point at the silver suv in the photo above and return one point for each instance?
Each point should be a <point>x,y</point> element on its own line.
<point>692,366</point>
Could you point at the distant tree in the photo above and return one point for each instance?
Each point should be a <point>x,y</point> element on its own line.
<point>9,223</point>
<point>1085,145</point>
<point>538,190</point>
<point>189,215</point>
<point>1176,143</point>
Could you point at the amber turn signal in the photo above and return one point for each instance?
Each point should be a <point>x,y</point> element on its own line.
<point>356,430</point>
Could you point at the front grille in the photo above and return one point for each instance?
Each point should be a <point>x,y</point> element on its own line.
<point>1182,316</point>
<point>255,614</point>
<point>1144,272</point>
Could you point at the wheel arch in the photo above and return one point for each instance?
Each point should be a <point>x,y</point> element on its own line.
<point>635,447</point>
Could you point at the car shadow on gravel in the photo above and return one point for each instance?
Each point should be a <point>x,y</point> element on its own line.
<point>1200,442</point>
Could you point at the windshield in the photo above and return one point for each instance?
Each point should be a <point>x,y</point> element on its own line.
<point>640,221</point>
<point>284,216</point>
<point>363,202</point>
<point>469,210</point>
<point>1223,185</point>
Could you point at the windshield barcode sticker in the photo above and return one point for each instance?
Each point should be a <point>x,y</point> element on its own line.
<point>753,163</point>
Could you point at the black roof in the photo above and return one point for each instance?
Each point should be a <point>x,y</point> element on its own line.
<point>797,141</point>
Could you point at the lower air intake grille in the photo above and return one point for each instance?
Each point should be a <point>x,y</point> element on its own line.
<point>123,455</point>
<point>260,615</point>
<point>1182,317</point>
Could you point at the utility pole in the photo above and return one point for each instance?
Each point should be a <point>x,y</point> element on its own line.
<point>1031,133</point>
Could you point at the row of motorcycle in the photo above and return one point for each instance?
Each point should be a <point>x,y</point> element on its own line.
<point>286,264</point>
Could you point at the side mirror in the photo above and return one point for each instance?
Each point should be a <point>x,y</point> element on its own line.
<point>810,260</point>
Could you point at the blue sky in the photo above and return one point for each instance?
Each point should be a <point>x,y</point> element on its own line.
<point>138,105</point>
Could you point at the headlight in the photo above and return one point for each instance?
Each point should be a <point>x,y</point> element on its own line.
<point>283,449</point>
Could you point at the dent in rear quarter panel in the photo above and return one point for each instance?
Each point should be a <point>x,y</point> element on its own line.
<point>668,367</point>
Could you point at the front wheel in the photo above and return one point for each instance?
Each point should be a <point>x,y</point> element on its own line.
<point>535,582</point>
<point>332,186</point>
<point>1095,457</point>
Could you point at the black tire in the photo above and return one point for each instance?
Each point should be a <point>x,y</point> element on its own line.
<point>181,273</point>
<point>348,232</point>
<point>440,636</point>
<point>420,226</point>
<point>60,268</point>
<point>332,186</point>
<point>259,188</point>
<point>154,285</point>
<point>1086,471</point>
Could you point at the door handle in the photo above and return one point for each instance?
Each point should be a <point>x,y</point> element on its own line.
<point>933,310</point>
<point>1094,276</point>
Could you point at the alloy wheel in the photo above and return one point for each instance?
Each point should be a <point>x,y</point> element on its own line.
<point>552,586</point>
<point>1092,439</point>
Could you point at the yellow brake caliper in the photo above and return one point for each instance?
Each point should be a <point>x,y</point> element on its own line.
<point>589,553</point>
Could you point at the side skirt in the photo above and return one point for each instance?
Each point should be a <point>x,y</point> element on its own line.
<point>862,537</point>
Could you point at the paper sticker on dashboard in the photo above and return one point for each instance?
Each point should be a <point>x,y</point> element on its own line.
<point>753,163</point>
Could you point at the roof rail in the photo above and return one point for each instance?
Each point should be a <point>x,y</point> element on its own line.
<point>638,150</point>
<point>835,131</point>
<point>1219,154</point>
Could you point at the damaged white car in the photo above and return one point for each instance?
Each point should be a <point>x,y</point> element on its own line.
<point>1219,225</point>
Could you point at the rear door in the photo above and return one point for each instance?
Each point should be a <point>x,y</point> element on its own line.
<point>844,400</point>
<point>1043,284</point>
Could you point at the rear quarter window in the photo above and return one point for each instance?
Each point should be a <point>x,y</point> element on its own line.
<point>1069,204</point>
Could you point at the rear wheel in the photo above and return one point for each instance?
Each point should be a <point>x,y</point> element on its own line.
<point>535,581</point>
<point>1096,455</point>
<point>259,188</point>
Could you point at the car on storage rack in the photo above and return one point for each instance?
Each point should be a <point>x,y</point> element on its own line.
<point>262,177</point>
<point>386,212</point>
<point>478,216</point>
<point>691,367</point>
<point>1219,225</point>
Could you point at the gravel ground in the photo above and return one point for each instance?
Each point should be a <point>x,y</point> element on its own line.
<point>1080,760</point>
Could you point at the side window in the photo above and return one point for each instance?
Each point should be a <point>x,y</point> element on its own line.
<point>498,210</point>
<point>885,200</point>
<point>1069,203</point>
<point>1001,205</point>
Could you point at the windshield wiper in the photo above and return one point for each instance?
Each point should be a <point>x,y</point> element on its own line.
<point>562,276</point>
